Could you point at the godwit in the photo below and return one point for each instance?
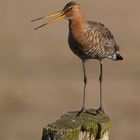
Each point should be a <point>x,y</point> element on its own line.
<point>88,40</point>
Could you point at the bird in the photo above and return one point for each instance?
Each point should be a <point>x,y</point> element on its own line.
<point>88,40</point>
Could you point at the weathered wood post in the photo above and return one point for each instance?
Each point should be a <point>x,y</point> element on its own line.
<point>84,127</point>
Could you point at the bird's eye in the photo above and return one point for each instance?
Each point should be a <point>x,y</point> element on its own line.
<point>71,8</point>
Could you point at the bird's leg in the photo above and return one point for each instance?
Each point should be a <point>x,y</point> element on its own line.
<point>101,91</point>
<point>84,92</point>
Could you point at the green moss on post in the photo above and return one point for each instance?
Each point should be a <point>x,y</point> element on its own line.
<point>84,127</point>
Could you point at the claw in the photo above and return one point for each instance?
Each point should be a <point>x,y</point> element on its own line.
<point>100,110</point>
<point>83,110</point>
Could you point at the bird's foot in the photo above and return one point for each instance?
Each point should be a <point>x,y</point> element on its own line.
<point>99,110</point>
<point>78,113</point>
<point>88,111</point>
<point>91,111</point>
<point>83,110</point>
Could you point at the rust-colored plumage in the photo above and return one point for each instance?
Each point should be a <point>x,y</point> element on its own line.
<point>88,40</point>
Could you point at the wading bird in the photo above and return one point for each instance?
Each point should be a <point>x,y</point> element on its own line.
<point>88,40</point>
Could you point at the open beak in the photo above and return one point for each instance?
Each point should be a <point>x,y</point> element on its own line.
<point>59,15</point>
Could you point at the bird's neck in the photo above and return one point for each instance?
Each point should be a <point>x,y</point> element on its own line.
<point>76,26</point>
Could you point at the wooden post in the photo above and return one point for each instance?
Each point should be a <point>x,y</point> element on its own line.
<point>84,127</point>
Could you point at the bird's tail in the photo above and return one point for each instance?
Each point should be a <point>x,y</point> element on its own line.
<point>118,57</point>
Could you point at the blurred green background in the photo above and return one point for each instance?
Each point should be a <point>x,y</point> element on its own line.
<point>41,79</point>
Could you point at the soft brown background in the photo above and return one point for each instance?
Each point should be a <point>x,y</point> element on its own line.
<point>40,78</point>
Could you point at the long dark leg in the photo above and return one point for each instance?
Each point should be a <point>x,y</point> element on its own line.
<point>85,83</point>
<point>84,92</point>
<point>101,87</point>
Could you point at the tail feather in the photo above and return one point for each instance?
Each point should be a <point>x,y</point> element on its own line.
<point>118,57</point>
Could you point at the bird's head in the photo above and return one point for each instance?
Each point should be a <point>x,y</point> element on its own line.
<point>71,11</point>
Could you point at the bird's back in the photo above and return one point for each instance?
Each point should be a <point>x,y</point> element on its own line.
<point>95,42</point>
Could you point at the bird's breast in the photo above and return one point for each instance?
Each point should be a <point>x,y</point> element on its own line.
<point>75,45</point>
<point>78,44</point>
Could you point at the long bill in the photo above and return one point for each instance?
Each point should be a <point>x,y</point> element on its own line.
<point>60,15</point>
